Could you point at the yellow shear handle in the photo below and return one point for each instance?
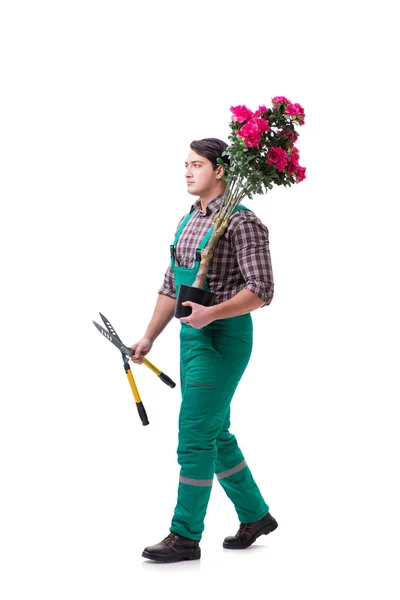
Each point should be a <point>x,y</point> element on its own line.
<point>159,373</point>
<point>133,385</point>
<point>152,367</point>
<point>135,391</point>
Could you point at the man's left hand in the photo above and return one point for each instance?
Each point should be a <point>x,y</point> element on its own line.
<point>200,317</point>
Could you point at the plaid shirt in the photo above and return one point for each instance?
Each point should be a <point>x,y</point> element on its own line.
<point>241,258</point>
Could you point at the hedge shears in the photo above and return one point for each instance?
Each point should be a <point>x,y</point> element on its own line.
<point>127,352</point>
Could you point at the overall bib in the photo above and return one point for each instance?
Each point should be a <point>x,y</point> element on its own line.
<point>212,362</point>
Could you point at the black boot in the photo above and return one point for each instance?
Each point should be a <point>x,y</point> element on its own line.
<point>173,548</point>
<point>249,532</point>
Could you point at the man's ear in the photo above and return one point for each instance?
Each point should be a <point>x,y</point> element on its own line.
<point>220,171</point>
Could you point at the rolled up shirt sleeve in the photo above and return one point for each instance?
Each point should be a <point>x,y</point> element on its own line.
<point>168,286</point>
<point>250,242</point>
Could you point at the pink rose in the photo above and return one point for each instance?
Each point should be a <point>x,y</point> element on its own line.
<point>301,174</point>
<point>300,113</point>
<point>277,157</point>
<point>260,110</point>
<point>293,161</point>
<point>279,99</point>
<point>252,131</point>
<point>290,109</point>
<point>295,110</point>
<point>241,113</point>
<point>293,165</point>
<point>251,134</point>
<point>252,142</point>
<point>262,125</point>
<point>295,152</point>
<point>292,135</point>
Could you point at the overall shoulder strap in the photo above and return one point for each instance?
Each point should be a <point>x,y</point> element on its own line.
<point>178,233</point>
<point>185,220</point>
<point>240,207</point>
<point>205,239</point>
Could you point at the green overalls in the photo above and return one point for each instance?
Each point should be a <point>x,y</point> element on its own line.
<point>213,360</point>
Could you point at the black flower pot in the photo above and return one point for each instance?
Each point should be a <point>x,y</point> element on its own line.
<point>187,292</point>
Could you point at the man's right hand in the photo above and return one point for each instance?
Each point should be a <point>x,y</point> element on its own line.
<point>141,348</point>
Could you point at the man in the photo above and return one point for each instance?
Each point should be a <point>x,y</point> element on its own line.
<point>216,343</point>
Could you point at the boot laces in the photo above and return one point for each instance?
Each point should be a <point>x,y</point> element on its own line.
<point>242,530</point>
<point>171,538</point>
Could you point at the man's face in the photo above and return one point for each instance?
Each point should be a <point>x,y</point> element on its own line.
<point>200,176</point>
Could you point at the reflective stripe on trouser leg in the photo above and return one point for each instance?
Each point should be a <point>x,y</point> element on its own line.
<point>238,481</point>
<point>208,384</point>
<point>232,471</point>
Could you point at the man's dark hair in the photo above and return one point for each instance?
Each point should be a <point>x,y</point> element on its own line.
<point>211,148</point>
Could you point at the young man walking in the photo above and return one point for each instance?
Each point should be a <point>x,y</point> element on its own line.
<point>215,348</point>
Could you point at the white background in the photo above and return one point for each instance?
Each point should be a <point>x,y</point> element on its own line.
<point>99,103</point>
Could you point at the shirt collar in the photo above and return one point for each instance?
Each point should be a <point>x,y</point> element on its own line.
<point>212,207</point>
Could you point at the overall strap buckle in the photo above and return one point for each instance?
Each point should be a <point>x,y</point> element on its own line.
<point>198,254</point>
<point>172,250</point>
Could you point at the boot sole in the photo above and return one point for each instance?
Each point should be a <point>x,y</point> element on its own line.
<point>268,529</point>
<point>169,559</point>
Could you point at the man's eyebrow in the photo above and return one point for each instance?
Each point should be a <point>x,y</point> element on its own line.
<point>194,161</point>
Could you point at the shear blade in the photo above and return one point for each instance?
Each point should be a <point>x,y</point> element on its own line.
<point>110,327</point>
<point>110,337</point>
